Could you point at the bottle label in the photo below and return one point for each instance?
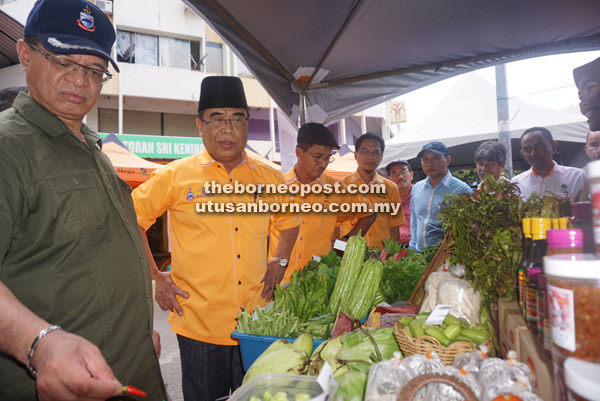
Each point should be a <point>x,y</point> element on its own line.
<point>562,310</point>
<point>595,192</point>
<point>547,335</point>
<point>541,307</point>
<point>522,293</point>
<point>532,305</point>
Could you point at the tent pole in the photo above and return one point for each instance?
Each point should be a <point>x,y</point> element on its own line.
<point>503,117</point>
<point>302,109</point>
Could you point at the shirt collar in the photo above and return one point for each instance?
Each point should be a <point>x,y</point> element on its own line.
<point>204,159</point>
<point>555,168</point>
<point>445,181</point>
<point>291,177</point>
<point>38,115</point>
<point>356,176</point>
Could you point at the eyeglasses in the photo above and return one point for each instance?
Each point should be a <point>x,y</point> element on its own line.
<point>365,152</point>
<point>236,122</point>
<point>66,66</point>
<point>399,173</point>
<point>323,158</point>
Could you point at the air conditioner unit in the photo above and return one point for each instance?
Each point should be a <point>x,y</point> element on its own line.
<point>105,5</point>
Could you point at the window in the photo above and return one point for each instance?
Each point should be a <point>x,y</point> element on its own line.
<point>241,68</point>
<point>125,47</point>
<point>174,52</point>
<point>214,57</point>
<point>146,49</point>
<point>196,62</point>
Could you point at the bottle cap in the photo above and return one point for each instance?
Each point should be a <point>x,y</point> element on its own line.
<point>581,377</point>
<point>570,238</point>
<point>539,226</point>
<point>573,265</point>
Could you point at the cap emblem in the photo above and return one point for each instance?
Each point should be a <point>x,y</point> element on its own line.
<point>86,20</point>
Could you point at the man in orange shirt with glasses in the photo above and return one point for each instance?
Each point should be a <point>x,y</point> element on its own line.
<point>401,174</point>
<point>220,260</point>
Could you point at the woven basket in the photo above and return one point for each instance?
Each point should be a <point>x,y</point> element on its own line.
<point>422,345</point>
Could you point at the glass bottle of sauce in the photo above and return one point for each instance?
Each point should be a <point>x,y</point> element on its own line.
<point>527,242</point>
<point>539,226</point>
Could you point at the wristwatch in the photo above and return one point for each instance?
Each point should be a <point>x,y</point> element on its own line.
<point>283,262</point>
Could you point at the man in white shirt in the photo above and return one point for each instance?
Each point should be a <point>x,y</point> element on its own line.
<point>545,176</point>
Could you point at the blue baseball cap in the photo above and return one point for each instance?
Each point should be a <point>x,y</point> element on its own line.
<point>435,147</point>
<point>71,27</point>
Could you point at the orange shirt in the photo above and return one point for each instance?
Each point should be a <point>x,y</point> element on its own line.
<point>314,237</point>
<point>380,230</point>
<point>218,258</point>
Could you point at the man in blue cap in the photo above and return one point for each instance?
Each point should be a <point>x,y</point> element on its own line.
<point>428,195</point>
<point>75,284</point>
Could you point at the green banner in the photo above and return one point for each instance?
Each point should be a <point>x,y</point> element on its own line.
<point>160,147</point>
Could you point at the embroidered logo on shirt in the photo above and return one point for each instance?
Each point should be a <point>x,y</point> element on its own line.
<point>86,20</point>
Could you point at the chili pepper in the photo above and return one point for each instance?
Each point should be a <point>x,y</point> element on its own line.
<point>133,390</point>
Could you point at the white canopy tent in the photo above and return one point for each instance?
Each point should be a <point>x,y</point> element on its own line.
<point>467,114</point>
<point>343,56</point>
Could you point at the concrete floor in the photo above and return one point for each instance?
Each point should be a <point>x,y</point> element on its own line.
<point>170,365</point>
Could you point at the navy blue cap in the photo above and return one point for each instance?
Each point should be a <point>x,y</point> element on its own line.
<point>71,27</point>
<point>317,134</point>
<point>219,92</point>
<point>435,147</point>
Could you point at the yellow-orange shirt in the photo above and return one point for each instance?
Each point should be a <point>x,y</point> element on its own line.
<point>314,237</point>
<point>380,230</point>
<point>218,258</point>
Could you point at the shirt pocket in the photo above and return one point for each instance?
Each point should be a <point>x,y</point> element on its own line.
<point>79,203</point>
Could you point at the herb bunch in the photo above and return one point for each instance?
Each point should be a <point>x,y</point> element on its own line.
<point>485,237</point>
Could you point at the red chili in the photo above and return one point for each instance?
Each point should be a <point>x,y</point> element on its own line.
<point>133,390</point>
<point>399,255</point>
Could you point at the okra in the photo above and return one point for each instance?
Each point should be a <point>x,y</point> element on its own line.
<point>438,335</point>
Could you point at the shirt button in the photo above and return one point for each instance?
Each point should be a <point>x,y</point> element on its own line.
<point>109,187</point>
<point>230,180</point>
<point>240,282</point>
<point>239,256</point>
<point>147,296</point>
<point>142,256</point>
<point>236,229</point>
<point>126,221</point>
<point>300,238</point>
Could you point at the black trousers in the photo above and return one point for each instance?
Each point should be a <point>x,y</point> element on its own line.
<point>208,371</point>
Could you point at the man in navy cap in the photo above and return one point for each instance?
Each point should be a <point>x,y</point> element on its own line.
<point>219,248</point>
<point>75,284</point>
<point>428,195</point>
<point>314,151</point>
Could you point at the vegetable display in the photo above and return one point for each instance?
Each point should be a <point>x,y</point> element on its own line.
<point>402,270</point>
<point>451,330</point>
<point>485,237</point>
<point>348,274</point>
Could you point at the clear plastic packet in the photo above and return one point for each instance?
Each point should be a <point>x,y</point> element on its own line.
<point>459,293</point>
<point>518,368</point>
<point>431,290</point>
<point>386,379</point>
<point>419,364</point>
<point>445,392</point>
<point>472,360</point>
<point>457,270</point>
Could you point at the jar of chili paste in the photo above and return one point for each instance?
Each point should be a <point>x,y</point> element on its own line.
<point>573,290</point>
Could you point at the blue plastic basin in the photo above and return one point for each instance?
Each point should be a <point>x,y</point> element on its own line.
<point>252,346</point>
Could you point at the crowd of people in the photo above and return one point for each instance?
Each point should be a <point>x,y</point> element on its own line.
<point>75,264</point>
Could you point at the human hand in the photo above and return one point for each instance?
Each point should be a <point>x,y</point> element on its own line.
<point>69,367</point>
<point>272,277</point>
<point>166,292</point>
<point>156,342</point>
